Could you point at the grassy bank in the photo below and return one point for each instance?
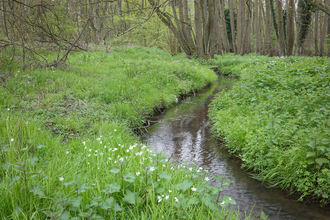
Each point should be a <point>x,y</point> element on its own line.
<point>276,119</point>
<point>68,147</point>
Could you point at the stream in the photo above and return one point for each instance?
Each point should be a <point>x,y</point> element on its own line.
<point>184,132</point>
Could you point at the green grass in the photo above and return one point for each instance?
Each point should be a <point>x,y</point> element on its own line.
<point>68,147</point>
<point>276,119</point>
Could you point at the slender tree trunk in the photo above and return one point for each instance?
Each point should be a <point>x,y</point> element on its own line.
<point>316,30</point>
<point>232,25</point>
<point>328,30</point>
<point>257,26</point>
<point>206,24</point>
<point>245,28</point>
<point>323,33</point>
<point>268,26</point>
<point>272,9</point>
<point>211,9</point>
<point>218,30</point>
<point>188,25</point>
<point>221,8</point>
<point>239,25</point>
<point>280,28</point>
<point>290,27</point>
<point>199,29</point>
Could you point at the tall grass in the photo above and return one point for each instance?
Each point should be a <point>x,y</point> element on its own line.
<point>68,150</point>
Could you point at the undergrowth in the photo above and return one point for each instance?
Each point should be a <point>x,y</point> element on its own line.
<point>276,119</point>
<point>67,145</point>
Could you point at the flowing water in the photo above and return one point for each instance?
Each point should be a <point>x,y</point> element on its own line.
<point>184,132</point>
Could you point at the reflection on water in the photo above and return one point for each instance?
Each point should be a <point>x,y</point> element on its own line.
<point>183,132</point>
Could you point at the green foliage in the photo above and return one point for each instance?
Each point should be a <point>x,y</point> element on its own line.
<point>68,150</point>
<point>305,18</point>
<point>276,119</point>
<point>227,17</point>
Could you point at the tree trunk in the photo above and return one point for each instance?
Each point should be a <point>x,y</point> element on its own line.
<point>316,30</point>
<point>211,9</point>
<point>188,25</point>
<point>218,30</point>
<point>328,30</point>
<point>272,9</point>
<point>257,26</point>
<point>268,26</point>
<point>280,28</point>
<point>290,27</point>
<point>232,25</point>
<point>239,25</point>
<point>246,27</point>
<point>199,30</point>
<point>323,32</point>
<point>220,6</point>
<point>206,24</point>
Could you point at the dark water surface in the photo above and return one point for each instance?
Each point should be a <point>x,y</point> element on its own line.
<point>183,131</point>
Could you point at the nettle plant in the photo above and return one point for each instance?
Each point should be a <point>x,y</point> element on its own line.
<point>131,179</point>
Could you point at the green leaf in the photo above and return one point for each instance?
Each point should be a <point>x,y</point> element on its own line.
<point>65,215</point>
<point>129,197</point>
<point>111,188</point>
<point>214,189</point>
<point>4,165</point>
<point>160,190</point>
<point>321,161</point>
<point>69,183</point>
<point>129,177</point>
<point>219,177</point>
<point>14,180</point>
<point>228,199</point>
<point>263,215</point>
<point>76,201</point>
<point>321,148</point>
<point>97,217</point>
<point>164,175</point>
<point>83,187</point>
<point>310,154</point>
<point>107,204</point>
<point>193,201</point>
<point>39,146</point>
<point>115,170</point>
<point>310,161</point>
<point>33,160</point>
<point>37,190</point>
<point>325,141</point>
<point>186,185</point>
<point>208,202</point>
<point>116,207</point>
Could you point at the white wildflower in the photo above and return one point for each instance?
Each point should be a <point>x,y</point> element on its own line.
<point>137,173</point>
<point>193,189</point>
<point>61,178</point>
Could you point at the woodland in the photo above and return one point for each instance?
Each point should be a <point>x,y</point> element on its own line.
<point>198,28</point>
<point>82,80</point>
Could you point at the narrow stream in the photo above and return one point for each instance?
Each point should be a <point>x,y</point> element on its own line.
<point>183,132</point>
